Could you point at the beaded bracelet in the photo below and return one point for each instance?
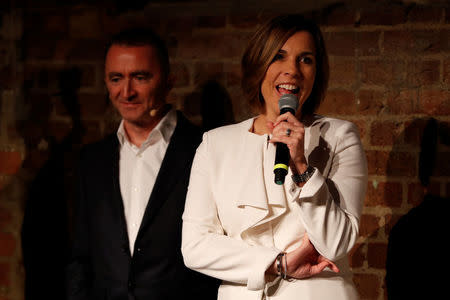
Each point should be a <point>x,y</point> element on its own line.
<point>282,268</point>
<point>279,263</point>
<point>284,275</point>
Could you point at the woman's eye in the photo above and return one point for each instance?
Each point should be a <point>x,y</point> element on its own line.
<point>307,60</point>
<point>277,57</point>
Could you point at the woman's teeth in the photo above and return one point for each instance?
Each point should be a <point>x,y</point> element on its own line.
<point>288,88</point>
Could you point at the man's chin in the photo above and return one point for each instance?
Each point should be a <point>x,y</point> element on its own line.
<point>140,121</point>
<point>133,115</point>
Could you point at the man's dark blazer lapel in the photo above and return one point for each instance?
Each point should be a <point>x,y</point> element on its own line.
<point>178,157</point>
<point>117,201</point>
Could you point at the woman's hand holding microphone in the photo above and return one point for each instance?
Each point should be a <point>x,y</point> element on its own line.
<point>290,131</point>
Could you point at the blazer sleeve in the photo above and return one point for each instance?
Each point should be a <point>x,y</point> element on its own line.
<point>205,246</point>
<point>331,207</point>
<point>78,272</point>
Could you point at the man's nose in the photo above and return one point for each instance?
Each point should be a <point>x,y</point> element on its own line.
<point>128,91</point>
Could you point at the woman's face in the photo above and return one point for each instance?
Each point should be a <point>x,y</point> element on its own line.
<point>291,72</point>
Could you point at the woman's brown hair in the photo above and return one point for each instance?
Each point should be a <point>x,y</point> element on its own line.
<point>265,44</point>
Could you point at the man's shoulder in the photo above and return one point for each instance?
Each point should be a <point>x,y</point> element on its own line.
<point>187,130</point>
<point>99,148</point>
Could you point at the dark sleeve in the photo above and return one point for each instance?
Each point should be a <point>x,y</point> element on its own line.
<point>46,207</point>
<point>79,269</point>
<point>400,267</point>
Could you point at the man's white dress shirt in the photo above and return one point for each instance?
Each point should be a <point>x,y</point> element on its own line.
<point>138,169</point>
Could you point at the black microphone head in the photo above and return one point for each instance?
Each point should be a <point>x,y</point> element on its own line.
<point>288,102</point>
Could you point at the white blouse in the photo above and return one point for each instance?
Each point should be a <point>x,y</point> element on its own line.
<point>237,219</point>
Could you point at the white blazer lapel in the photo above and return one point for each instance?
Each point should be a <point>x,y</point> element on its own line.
<point>252,195</point>
<point>264,200</point>
<point>275,192</point>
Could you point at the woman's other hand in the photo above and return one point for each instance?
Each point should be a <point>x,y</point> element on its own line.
<point>305,261</point>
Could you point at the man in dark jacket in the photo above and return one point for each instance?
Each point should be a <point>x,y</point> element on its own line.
<point>133,185</point>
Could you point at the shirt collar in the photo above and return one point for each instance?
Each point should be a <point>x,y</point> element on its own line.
<point>121,134</point>
<point>164,129</point>
<point>167,125</point>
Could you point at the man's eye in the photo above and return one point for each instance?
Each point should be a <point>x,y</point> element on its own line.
<point>142,77</point>
<point>114,79</point>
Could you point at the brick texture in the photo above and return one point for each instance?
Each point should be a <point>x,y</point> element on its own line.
<point>368,285</point>
<point>8,243</point>
<point>5,217</point>
<point>10,162</point>
<point>389,73</point>
<point>4,275</point>
<point>376,255</point>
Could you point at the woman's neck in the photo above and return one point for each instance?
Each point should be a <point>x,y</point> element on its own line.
<point>260,125</point>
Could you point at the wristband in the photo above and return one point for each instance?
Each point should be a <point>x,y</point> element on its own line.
<point>301,178</point>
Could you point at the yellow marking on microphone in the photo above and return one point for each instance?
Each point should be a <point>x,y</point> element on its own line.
<point>280,166</point>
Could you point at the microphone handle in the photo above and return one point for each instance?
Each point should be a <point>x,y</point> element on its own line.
<point>282,157</point>
<point>280,169</point>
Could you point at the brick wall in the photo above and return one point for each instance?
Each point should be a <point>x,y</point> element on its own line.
<point>390,69</point>
<point>12,153</point>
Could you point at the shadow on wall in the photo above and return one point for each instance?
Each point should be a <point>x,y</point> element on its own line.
<point>48,205</point>
<point>417,242</point>
<point>212,101</point>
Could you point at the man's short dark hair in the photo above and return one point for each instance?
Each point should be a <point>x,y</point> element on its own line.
<point>133,37</point>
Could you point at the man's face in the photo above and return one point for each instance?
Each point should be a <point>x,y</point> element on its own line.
<point>135,82</point>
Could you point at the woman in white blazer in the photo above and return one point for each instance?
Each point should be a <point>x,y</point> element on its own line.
<point>265,240</point>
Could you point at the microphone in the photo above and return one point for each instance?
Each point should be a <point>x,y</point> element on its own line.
<point>287,103</point>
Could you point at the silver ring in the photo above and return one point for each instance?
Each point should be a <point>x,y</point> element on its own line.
<point>288,132</point>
